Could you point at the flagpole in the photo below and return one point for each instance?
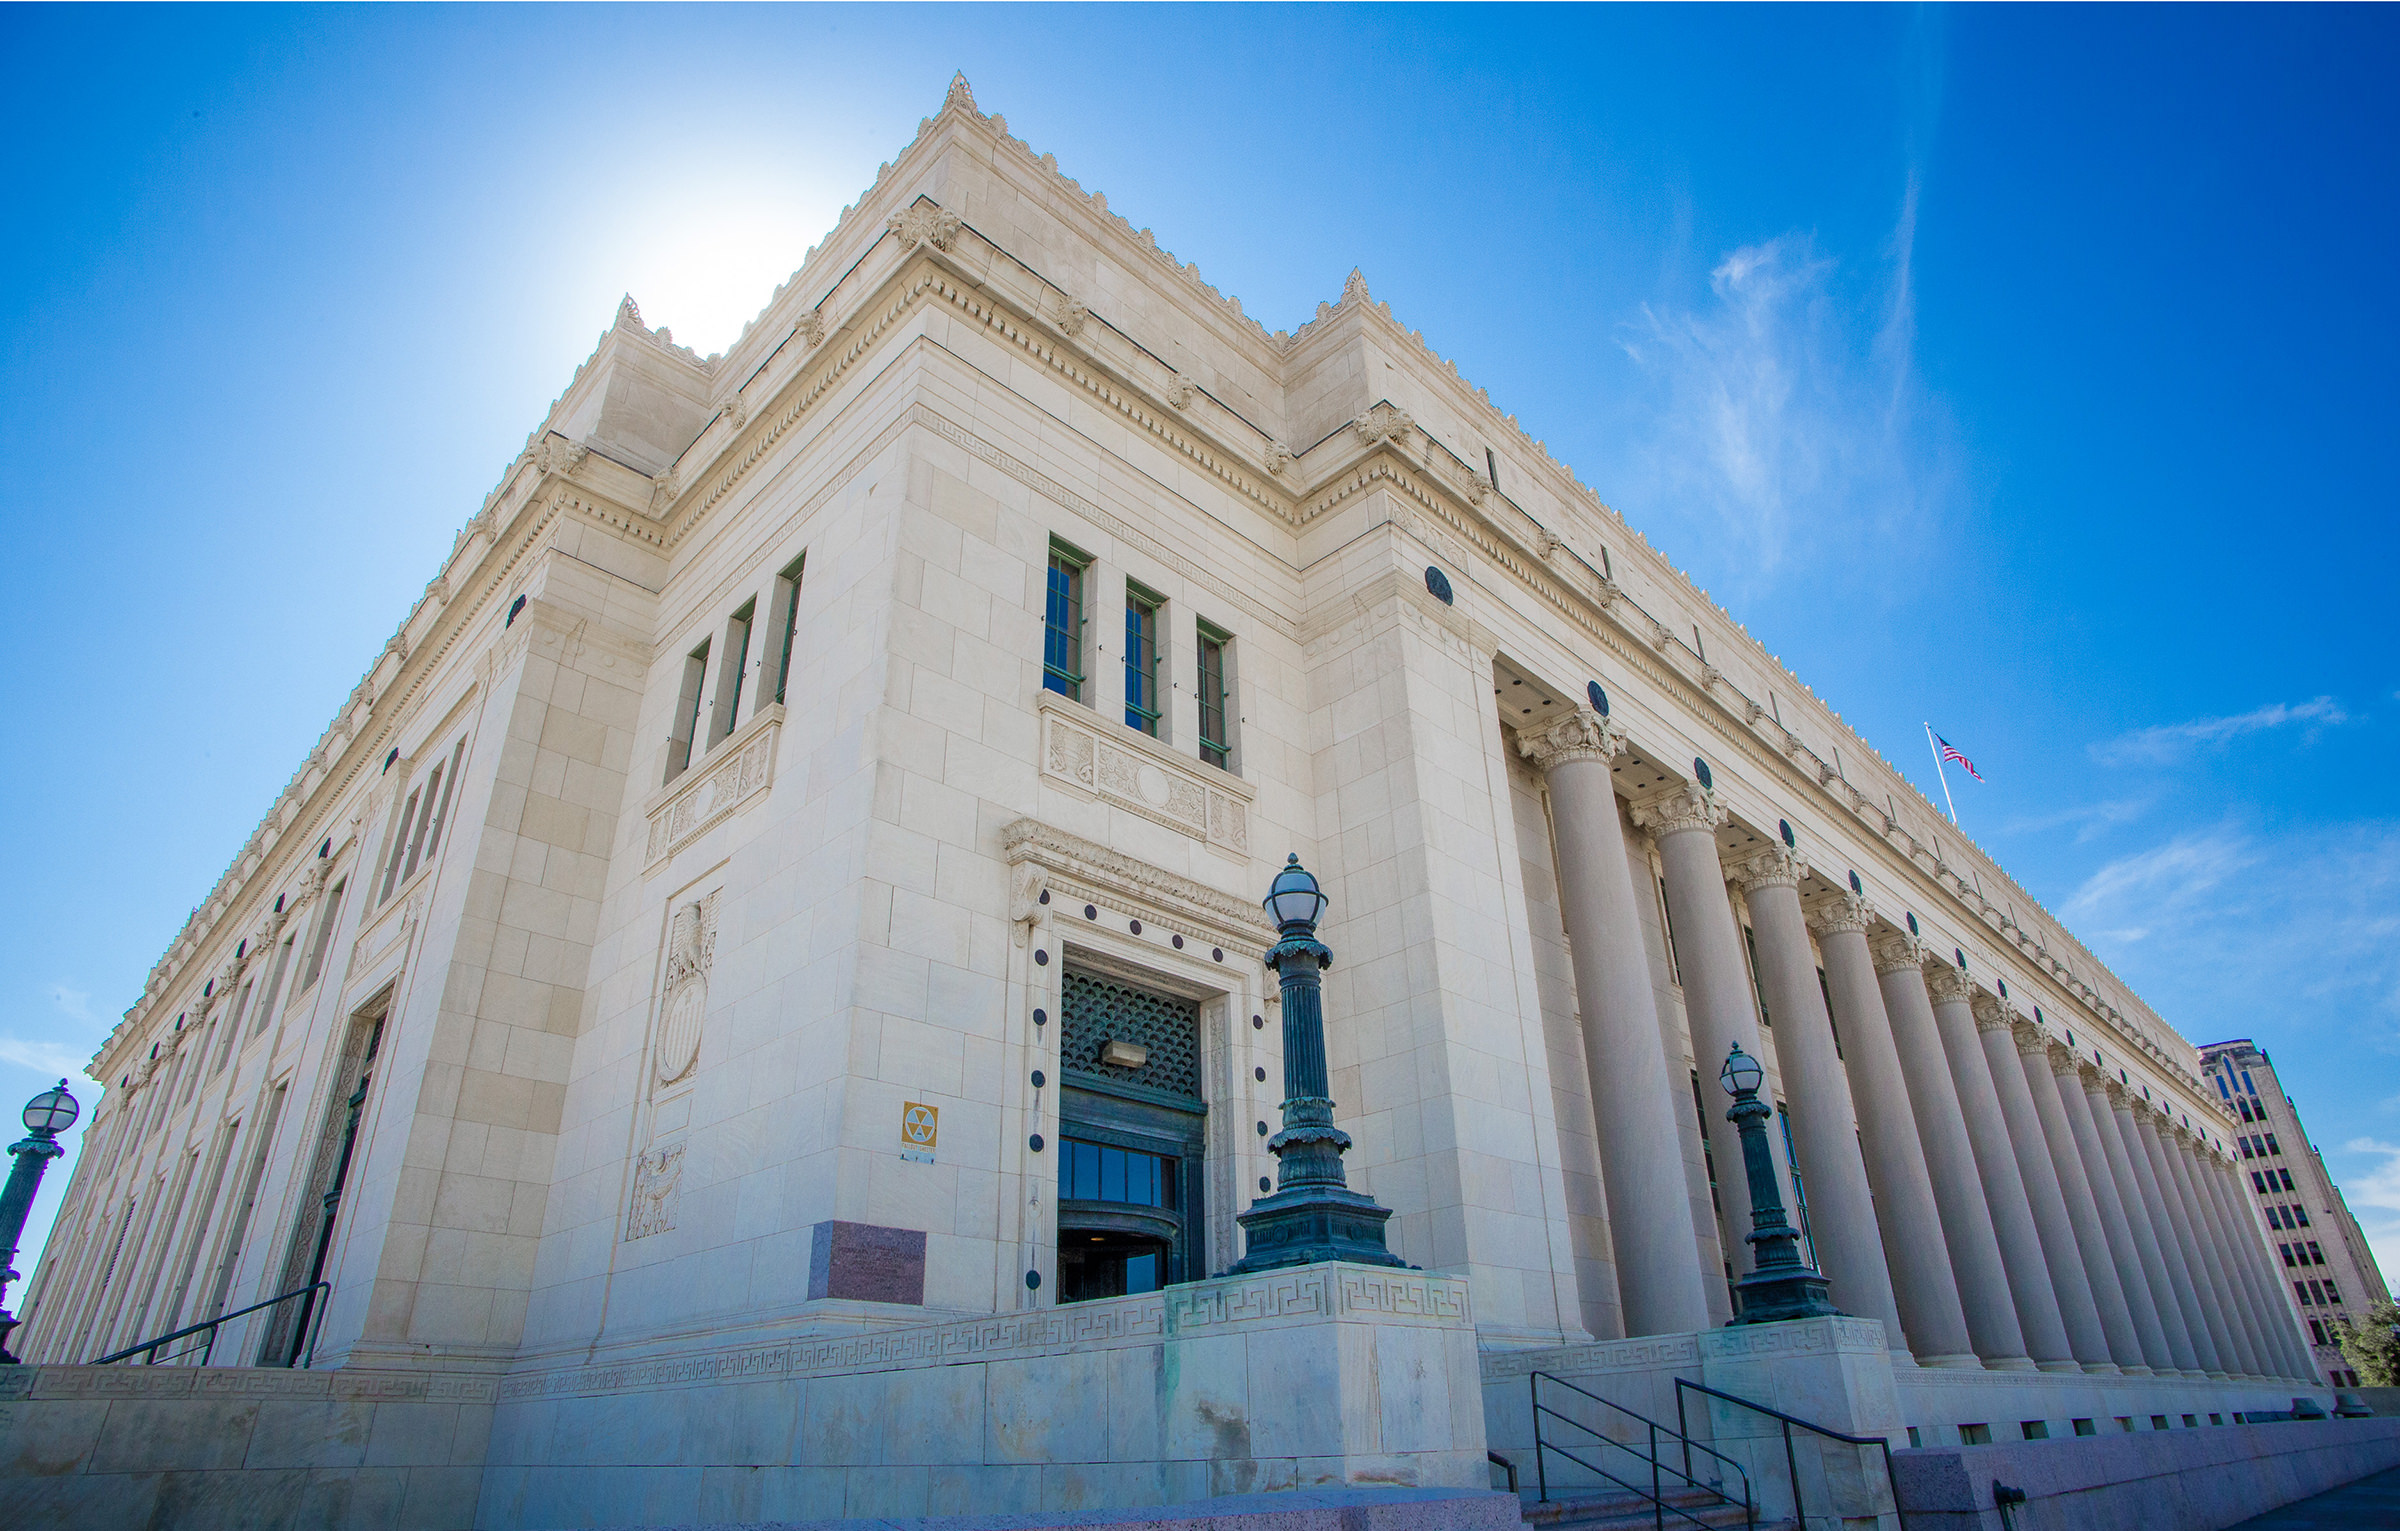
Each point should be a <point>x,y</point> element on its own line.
<point>1944,775</point>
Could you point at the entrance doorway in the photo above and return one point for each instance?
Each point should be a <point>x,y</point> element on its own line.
<point>1132,1131</point>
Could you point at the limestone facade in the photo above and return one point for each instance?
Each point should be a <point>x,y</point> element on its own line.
<point>678,943</point>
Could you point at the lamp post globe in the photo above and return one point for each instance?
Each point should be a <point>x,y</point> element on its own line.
<point>1780,1285</point>
<point>46,1116</point>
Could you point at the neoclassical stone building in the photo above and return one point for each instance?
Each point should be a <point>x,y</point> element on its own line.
<point>754,1004</point>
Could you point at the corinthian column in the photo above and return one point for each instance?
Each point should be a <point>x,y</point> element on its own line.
<point>1841,1211</point>
<point>2043,1062</point>
<point>1649,1208</point>
<point>1922,1285</point>
<point>2174,1237</point>
<point>1996,1165</point>
<point>2062,1256</point>
<point>2241,1324</point>
<point>2261,1281</point>
<point>1967,1229</point>
<point>2101,1094</point>
<point>1716,982</point>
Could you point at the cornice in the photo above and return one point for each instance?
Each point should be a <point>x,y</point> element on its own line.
<point>1201,912</point>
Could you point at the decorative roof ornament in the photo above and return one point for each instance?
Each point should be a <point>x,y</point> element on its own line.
<point>630,313</point>
<point>960,94</point>
<point>1355,287</point>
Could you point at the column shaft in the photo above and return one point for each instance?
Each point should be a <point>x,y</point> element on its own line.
<point>1967,1231</point>
<point>2062,1256</point>
<point>1716,986</point>
<point>2195,1253</point>
<point>1996,1166</point>
<point>2240,1324</point>
<point>1841,1210</point>
<point>2102,1095</point>
<point>2263,1277</point>
<point>1649,1210</point>
<point>2124,1251</point>
<point>1922,1285</point>
<point>2175,1239</point>
<point>2039,1058</point>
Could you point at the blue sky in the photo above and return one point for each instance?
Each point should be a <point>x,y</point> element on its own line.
<point>2027,369</point>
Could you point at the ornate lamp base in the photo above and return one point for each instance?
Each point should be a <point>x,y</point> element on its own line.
<point>1773,1294</point>
<point>1310,1224</point>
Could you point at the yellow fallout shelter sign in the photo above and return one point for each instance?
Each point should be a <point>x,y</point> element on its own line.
<point>920,1129</point>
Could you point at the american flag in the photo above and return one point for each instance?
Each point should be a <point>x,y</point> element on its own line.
<point>1950,752</point>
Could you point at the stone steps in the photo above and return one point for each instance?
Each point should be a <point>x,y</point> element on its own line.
<point>1626,1512</point>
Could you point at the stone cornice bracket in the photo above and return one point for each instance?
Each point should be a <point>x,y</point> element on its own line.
<point>925,222</point>
<point>811,328</point>
<point>1071,315</point>
<point>1896,951</point>
<point>1680,810</point>
<point>1944,983</point>
<point>1778,866</point>
<point>663,490</point>
<point>1581,735</point>
<point>1840,913</point>
<point>557,455</point>
<point>1025,894</point>
<point>1279,458</point>
<point>1181,391</point>
<point>1385,422</point>
<point>1224,918</point>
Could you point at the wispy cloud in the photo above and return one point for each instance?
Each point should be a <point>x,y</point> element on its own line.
<point>2374,1198</point>
<point>2091,820</point>
<point>1786,422</point>
<point>2167,743</point>
<point>40,1056</point>
<point>2129,896</point>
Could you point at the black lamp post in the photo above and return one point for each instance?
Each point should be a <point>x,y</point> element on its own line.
<point>46,1116</point>
<point>1313,1214</point>
<point>1780,1285</point>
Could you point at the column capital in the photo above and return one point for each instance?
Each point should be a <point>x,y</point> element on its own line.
<point>1991,1012</point>
<point>1896,951</point>
<point>1840,913</point>
<point>1778,866</point>
<point>2089,1072</point>
<point>1581,735</point>
<point>1680,810</point>
<point>2063,1061</point>
<point>2118,1095</point>
<point>2032,1041</point>
<point>1946,983</point>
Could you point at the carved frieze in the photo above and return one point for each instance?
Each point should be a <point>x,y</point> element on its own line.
<point>657,1185</point>
<point>683,1002</point>
<point>705,795</point>
<point>1097,873</point>
<point>1154,783</point>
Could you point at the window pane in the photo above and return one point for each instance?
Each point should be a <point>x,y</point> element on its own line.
<point>1141,663</point>
<point>1112,1174</point>
<point>1141,1274</point>
<point>1062,628</point>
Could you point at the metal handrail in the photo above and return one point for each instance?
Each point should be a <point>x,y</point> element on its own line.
<point>1656,1492</point>
<point>1790,1460</point>
<point>316,1311</point>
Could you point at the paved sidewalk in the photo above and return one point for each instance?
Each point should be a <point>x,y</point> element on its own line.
<point>2370,1504</point>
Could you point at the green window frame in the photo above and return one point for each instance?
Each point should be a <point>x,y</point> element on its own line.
<point>1143,705</point>
<point>1216,743</point>
<point>787,596</point>
<point>1062,621</point>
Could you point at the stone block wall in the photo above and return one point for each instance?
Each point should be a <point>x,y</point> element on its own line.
<point>199,1448</point>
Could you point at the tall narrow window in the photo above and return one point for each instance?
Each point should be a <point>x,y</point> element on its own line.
<point>441,813</point>
<point>729,681</point>
<point>784,616</point>
<point>266,1006</point>
<point>327,908</point>
<point>1216,741</point>
<point>1142,705</point>
<point>431,792</point>
<point>391,868</point>
<point>1062,622</point>
<point>687,712</point>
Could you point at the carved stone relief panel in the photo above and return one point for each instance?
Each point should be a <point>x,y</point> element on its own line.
<point>657,1180</point>
<point>1151,781</point>
<point>683,1003</point>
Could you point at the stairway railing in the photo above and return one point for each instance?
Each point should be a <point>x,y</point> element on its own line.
<point>314,1310</point>
<point>1660,1469</point>
<point>1791,1461</point>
